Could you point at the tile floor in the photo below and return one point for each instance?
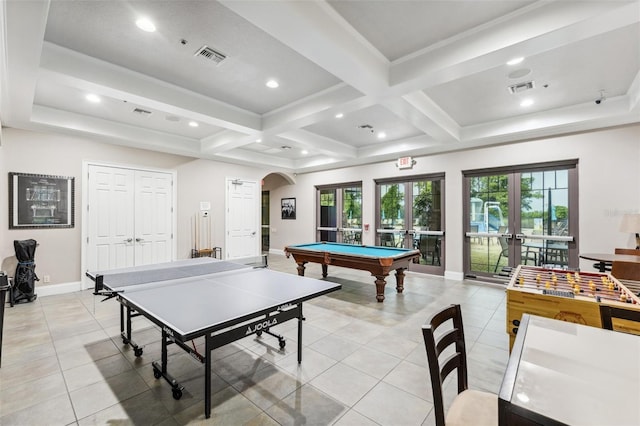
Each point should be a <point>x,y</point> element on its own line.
<point>364,362</point>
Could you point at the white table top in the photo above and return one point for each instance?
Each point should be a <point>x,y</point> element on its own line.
<point>578,375</point>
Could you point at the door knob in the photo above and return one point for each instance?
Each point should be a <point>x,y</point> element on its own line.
<point>128,240</point>
<point>138,240</point>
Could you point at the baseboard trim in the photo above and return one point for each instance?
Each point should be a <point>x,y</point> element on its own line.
<point>54,289</point>
<point>451,275</point>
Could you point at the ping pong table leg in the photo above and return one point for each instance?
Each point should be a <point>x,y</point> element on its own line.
<point>125,329</point>
<point>207,375</point>
<point>300,319</point>
<point>161,370</point>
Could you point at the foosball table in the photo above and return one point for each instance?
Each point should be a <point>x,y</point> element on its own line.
<point>565,295</point>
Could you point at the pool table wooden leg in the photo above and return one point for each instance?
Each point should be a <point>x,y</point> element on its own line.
<point>301,268</point>
<point>400,280</point>
<point>324,270</point>
<point>380,283</point>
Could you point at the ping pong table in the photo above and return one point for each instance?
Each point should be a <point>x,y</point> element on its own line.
<point>219,300</point>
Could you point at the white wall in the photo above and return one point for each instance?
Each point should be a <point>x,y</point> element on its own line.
<point>609,178</point>
<point>204,180</point>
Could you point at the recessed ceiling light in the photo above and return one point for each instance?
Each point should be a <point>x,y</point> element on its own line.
<point>258,140</point>
<point>339,115</point>
<point>193,124</point>
<point>515,61</point>
<point>91,97</point>
<point>145,24</point>
<point>304,152</point>
<point>526,102</point>
<point>272,84</point>
<point>382,135</point>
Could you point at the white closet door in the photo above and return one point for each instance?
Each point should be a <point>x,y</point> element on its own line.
<point>129,217</point>
<point>153,217</point>
<point>110,218</point>
<point>242,219</point>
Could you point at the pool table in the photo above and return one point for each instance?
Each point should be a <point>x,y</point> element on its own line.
<point>380,261</point>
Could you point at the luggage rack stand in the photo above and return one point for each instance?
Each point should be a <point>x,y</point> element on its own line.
<point>215,252</point>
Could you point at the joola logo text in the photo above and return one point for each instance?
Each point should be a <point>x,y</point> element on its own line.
<point>261,325</point>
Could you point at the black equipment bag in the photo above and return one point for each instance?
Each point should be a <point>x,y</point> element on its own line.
<point>24,286</point>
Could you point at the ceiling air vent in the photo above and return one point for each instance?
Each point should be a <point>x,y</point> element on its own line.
<point>142,112</point>
<point>521,87</point>
<point>213,55</point>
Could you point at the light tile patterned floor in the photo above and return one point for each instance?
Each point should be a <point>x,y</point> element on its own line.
<point>364,362</point>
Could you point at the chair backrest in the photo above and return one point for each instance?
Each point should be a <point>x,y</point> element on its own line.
<point>437,341</point>
<point>608,313</point>
<point>504,245</point>
<point>625,270</point>
<point>633,252</point>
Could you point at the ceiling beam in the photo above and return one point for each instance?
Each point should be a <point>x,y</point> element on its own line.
<point>317,32</point>
<point>320,144</point>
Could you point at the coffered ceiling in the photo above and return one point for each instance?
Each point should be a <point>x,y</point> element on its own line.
<point>405,78</point>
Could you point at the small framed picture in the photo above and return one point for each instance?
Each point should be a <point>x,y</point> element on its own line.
<point>288,206</point>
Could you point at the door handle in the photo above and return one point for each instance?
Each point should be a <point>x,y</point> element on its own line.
<point>139,240</point>
<point>253,233</point>
<point>128,240</point>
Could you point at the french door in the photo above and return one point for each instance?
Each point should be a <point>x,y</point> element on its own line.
<point>339,215</point>
<point>411,215</point>
<point>520,215</point>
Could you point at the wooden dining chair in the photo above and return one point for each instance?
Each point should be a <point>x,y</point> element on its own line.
<point>470,407</point>
<point>608,313</point>
<point>625,270</point>
<point>633,252</point>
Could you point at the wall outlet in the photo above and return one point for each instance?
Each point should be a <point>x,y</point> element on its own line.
<point>46,279</point>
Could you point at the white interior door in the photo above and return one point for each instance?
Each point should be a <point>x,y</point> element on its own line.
<point>153,217</point>
<point>243,219</point>
<point>110,218</point>
<point>129,217</point>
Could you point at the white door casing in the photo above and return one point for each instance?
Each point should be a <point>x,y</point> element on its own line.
<point>242,219</point>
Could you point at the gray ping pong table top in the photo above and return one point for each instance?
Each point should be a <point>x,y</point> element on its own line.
<point>191,305</point>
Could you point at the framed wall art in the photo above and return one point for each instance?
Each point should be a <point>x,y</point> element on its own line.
<point>288,206</point>
<point>40,201</point>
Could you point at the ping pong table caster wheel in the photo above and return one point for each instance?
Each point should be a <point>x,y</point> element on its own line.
<point>157,374</point>
<point>125,341</point>
<point>282,343</point>
<point>177,393</point>
<point>258,333</point>
<point>137,352</point>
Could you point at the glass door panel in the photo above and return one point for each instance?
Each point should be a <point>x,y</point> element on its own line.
<point>327,229</point>
<point>488,224</point>
<point>544,231</point>
<point>392,229</point>
<point>265,221</point>
<point>427,221</point>
<point>352,215</point>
